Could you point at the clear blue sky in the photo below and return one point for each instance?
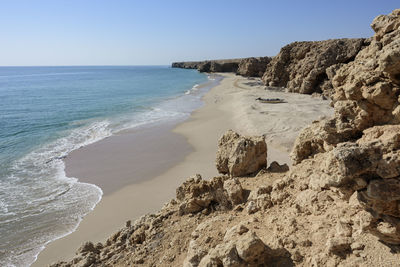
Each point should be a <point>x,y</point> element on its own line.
<point>146,32</point>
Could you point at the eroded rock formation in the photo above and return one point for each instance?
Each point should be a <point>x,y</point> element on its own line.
<point>222,65</point>
<point>253,66</point>
<point>248,67</point>
<point>359,148</point>
<point>239,155</point>
<point>308,67</point>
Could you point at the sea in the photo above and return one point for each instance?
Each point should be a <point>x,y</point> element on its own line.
<point>47,112</point>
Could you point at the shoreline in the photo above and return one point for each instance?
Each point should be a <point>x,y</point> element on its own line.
<point>202,130</point>
<point>111,195</point>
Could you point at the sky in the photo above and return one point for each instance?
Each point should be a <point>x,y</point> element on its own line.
<point>147,32</point>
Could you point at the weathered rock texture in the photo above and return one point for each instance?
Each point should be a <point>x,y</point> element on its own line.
<point>253,66</point>
<point>289,224</point>
<point>366,94</point>
<point>308,67</point>
<point>239,155</point>
<point>359,148</point>
<point>218,194</point>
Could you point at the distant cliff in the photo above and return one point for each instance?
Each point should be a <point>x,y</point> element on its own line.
<point>249,67</point>
<point>300,67</point>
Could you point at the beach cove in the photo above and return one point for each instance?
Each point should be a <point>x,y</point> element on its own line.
<point>229,105</point>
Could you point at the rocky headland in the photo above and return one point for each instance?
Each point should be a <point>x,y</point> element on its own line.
<point>248,67</point>
<point>338,205</point>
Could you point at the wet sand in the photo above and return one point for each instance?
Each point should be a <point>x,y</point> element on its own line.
<point>128,157</point>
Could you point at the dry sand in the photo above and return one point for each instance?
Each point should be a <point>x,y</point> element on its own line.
<point>230,105</point>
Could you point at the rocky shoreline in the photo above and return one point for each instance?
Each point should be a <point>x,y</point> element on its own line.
<point>339,205</point>
<point>300,67</point>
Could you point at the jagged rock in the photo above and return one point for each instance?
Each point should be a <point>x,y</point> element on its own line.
<point>251,249</point>
<point>319,137</point>
<point>87,247</point>
<point>239,248</point>
<point>371,82</point>
<point>234,190</point>
<point>195,194</point>
<point>259,199</point>
<point>253,67</point>
<point>371,166</point>
<point>376,154</point>
<point>384,24</point>
<point>239,155</point>
<point>302,66</point>
<point>194,255</point>
<point>222,255</point>
<point>235,231</point>
<point>366,93</point>
<point>276,167</point>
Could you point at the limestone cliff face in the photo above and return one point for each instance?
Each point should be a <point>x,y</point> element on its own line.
<point>359,147</point>
<point>248,67</point>
<point>308,67</point>
<point>187,65</point>
<point>223,65</point>
<point>253,66</point>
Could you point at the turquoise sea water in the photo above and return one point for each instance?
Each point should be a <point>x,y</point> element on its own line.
<point>45,113</point>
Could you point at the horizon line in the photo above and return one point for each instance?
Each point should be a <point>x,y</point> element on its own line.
<point>127,65</point>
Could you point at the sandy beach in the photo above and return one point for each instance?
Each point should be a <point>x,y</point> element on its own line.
<point>140,169</point>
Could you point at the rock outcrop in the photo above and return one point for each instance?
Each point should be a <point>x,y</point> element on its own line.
<point>308,67</point>
<point>358,150</point>
<point>366,94</point>
<point>239,155</point>
<point>222,65</point>
<point>187,64</point>
<point>253,66</point>
<point>218,194</point>
<point>248,67</point>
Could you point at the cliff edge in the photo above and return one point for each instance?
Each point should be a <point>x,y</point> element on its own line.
<point>339,205</point>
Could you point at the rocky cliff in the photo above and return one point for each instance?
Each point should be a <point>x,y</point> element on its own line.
<point>358,150</point>
<point>301,67</point>
<point>338,206</point>
<point>308,67</point>
<point>222,65</point>
<point>253,66</point>
<point>249,67</point>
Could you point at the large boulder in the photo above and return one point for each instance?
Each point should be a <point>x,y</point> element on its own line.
<point>308,67</point>
<point>253,66</point>
<point>239,155</point>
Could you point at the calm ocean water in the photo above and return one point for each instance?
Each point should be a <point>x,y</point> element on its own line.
<point>45,113</point>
